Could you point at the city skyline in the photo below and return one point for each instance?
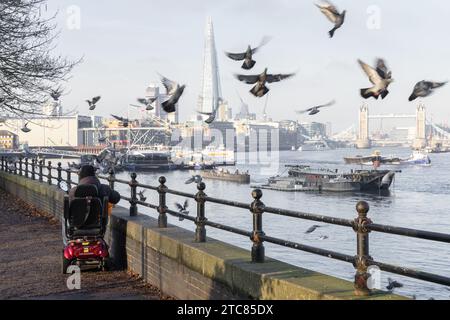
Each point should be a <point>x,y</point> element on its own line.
<point>326,68</point>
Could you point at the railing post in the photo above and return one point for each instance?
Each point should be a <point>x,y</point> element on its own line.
<point>111,178</point>
<point>257,208</point>
<point>200,230</point>
<point>26,167</point>
<point>20,166</point>
<point>15,167</point>
<point>49,173</point>
<point>69,180</point>
<point>133,200</point>
<point>41,166</point>
<point>33,169</point>
<point>162,190</point>
<point>362,258</point>
<point>3,167</point>
<point>59,169</point>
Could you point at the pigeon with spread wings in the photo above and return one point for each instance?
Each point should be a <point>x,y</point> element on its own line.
<point>316,109</point>
<point>247,56</point>
<point>424,89</point>
<point>125,121</point>
<point>92,103</point>
<point>331,12</point>
<point>381,78</point>
<point>174,91</point>
<point>147,102</point>
<point>260,89</point>
<point>182,208</point>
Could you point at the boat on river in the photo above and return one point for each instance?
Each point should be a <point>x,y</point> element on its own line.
<point>305,178</point>
<point>226,175</point>
<point>416,158</point>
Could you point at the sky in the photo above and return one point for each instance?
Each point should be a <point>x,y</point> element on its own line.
<point>125,43</point>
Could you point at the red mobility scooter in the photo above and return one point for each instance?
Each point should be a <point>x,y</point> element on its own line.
<point>85,218</point>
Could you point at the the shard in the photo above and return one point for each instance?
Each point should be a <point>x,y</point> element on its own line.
<point>211,94</point>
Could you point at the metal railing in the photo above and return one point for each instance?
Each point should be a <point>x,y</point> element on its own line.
<point>361,225</point>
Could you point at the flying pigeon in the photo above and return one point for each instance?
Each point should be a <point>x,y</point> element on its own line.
<point>323,237</point>
<point>331,12</point>
<point>25,128</point>
<point>315,110</point>
<point>182,208</point>
<point>424,89</point>
<point>56,94</point>
<point>147,103</point>
<point>393,284</point>
<point>125,121</point>
<point>380,77</point>
<point>141,195</point>
<point>197,179</point>
<point>312,228</point>
<point>211,115</point>
<point>247,56</point>
<point>260,89</point>
<point>174,90</point>
<point>92,103</point>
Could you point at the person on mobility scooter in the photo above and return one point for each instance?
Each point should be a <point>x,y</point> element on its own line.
<point>85,220</point>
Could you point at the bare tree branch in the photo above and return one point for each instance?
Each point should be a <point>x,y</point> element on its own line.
<point>28,69</point>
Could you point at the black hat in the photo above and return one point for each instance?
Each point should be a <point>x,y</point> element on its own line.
<point>86,171</point>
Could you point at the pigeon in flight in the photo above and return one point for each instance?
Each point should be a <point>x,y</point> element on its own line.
<point>211,116</point>
<point>146,102</point>
<point>380,77</point>
<point>393,284</point>
<point>141,195</point>
<point>247,56</point>
<point>312,228</point>
<point>25,128</point>
<point>182,208</point>
<point>174,90</point>
<point>260,89</point>
<point>125,121</point>
<point>92,103</point>
<point>331,12</point>
<point>424,89</point>
<point>316,109</point>
<point>197,179</point>
<point>56,94</point>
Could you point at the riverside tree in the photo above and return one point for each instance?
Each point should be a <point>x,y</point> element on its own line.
<point>29,71</point>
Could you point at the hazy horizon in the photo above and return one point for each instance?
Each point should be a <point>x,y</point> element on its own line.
<point>125,45</point>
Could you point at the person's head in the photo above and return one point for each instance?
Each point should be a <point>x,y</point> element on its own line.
<point>86,171</point>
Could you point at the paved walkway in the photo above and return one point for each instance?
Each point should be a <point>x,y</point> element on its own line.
<point>30,261</point>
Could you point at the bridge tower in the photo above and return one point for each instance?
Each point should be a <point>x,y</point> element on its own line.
<point>420,141</point>
<point>363,141</point>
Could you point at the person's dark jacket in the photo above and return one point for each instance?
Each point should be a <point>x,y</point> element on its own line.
<point>103,189</point>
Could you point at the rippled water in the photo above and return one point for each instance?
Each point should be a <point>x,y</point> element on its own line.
<point>419,199</point>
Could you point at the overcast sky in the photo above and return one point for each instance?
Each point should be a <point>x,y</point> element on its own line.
<point>124,44</point>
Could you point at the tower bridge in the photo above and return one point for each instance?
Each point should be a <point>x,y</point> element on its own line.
<point>364,142</point>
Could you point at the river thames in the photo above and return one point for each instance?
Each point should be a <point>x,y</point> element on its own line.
<point>419,198</point>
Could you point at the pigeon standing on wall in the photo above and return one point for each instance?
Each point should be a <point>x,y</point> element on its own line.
<point>92,103</point>
<point>380,77</point>
<point>316,109</point>
<point>331,12</point>
<point>424,89</point>
<point>247,56</point>
<point>260,89</point>
<point>174,91</point>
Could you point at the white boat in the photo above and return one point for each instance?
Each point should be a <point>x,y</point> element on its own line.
<point>314,145</point>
